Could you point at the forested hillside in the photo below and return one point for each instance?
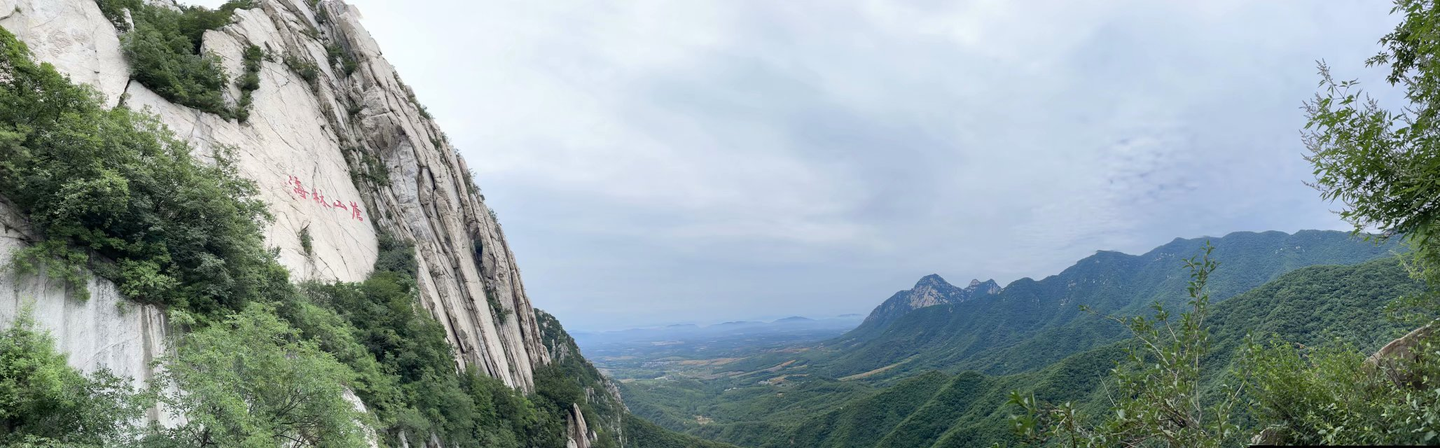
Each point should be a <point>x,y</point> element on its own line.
<point>1312,306</point>
<point>160,290</point>
<point>1032,323</point>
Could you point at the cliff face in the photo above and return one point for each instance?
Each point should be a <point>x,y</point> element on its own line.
<point>343,158</point>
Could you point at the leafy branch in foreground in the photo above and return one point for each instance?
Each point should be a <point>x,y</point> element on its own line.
<point>1159,396</point>
<point>1382,163</point>
<point>1336,396</point>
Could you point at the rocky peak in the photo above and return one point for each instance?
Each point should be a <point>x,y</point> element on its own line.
<point>930,291</point>
<point>978,287</point>
<point>932,281</point>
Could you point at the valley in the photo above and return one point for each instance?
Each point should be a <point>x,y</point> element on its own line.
<point>233,224</point>
<point>940,375</point>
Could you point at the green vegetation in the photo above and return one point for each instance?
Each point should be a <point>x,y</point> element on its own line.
<point>307,243</point>
<point>569,379</point>
<point>340,58</point>
<point>251,380</point>
<point>1025,327</point>
<point>303,68</point>
<point>44,402</point>
<point>408,368</point>
<point>1312,306</point>
<point>1159,397</point>
<point>369,168</point>
<point>249,82</point>
<point>641,433</point>
<point>165,55</point>
<point>1381,163</point>
<point>115,192</point>
<point>1331,396</point>
<point>264,362</point>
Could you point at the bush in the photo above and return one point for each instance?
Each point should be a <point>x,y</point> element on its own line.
<point>249,82</point>
<point>304,68</point>
<point>1331,396</point>
<point>341,58</point>
<point>115,11</point>
<point>164,52</point>
<point>115,192</point>
<point>307,243</point>
<point>44,402</point>
<point>419,391</point>
<point>251,380</point>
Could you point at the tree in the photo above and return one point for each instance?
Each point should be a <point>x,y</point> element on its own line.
<point>1384,164</point>
<point>1160,400</point>
<point>45,402</point>
<point>252,381</point>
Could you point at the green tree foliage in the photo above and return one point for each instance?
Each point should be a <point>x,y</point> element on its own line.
<point>249,82</point>
<point>407,368</point>
<point>44,402</point>
<point>1160,398</point>
<point>1331,396</point>
<point>1025,327</point>
<point>644,434</point>
<point>117,184</point>
<point>571,380</point>
<point>165,55</point>
<point>1382,163</point>
<point>253,381</point>
<point>1312,306</point>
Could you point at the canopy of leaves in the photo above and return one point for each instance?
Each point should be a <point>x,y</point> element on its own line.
<point>44,402</point>
<point>1382,163</point>
<point>253,381</point>
<point>164,52</point>
<point>116,192</point>
<point>407,368</point>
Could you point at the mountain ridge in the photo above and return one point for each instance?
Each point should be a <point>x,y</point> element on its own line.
<point>930,290</point>
<point>1038,318</point>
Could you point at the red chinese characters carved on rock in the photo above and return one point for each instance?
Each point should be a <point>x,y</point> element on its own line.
<point>298,188</point>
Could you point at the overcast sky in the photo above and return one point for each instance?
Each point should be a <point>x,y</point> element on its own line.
<point>656,162</point>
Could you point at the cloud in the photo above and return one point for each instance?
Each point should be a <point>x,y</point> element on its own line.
<point>658,161</point>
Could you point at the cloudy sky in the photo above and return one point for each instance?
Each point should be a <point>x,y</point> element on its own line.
<point>656,162</point>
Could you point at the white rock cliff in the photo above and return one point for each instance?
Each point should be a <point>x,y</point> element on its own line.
<point>303,141</point>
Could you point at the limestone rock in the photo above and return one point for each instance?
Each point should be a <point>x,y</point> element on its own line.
<point>104,332</point>
<point>359,140</point>
<point>578,435</point>
<point>75,37</point>
<point>1392,358</point>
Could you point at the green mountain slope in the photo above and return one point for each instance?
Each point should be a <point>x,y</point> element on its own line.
<point>1311,306</point>
<point>931,290</point>
<point>1032,323</point>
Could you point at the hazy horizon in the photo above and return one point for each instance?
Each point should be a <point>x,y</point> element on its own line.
<point>658,162</point>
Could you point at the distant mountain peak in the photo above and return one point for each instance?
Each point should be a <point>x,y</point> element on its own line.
<point>931,290</point>
<point>985,287</point>
<point>933,281</point>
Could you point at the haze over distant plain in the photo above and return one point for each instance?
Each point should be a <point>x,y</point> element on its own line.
<point>659,162</point>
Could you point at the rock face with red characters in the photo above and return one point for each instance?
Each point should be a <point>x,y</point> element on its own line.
<point>342,158</point>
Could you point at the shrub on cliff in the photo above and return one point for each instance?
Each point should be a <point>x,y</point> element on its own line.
<point>252,380</point>
<point>167,229</point>
<point>163,49</point>
<point>44,402</point>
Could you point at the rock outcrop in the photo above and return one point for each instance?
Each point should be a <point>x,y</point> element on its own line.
<point>1393,358</point>
<point>344,157</point>
<point>931,290</point>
